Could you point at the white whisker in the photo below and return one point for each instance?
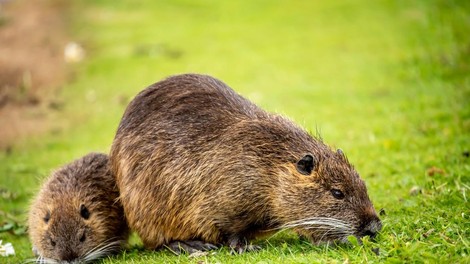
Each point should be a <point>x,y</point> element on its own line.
<point>314,223</point>
<point>42,260</point>
<point>103,249</point>
<point>335,233</point>
<point>326,226</point>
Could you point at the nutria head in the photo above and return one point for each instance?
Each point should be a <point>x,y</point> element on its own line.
<point>68,233</point>
<point>75,217</point>
<point>323,198</point>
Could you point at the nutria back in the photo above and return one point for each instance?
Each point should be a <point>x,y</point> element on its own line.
<point>194,160</point>
<point>77,216</point>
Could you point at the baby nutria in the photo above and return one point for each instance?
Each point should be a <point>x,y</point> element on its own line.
<point>76,216</point>
<point>197,165</point>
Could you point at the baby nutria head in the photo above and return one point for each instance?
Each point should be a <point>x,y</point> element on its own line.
<point>75,217</point>
<point>323,198</point>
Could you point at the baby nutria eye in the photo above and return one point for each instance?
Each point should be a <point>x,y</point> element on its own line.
<point>337,194</point>
<point>84,212</point>
<point>47,217</point>
<point>52,243</point>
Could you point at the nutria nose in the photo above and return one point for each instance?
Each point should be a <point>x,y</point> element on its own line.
<point>372,228</point>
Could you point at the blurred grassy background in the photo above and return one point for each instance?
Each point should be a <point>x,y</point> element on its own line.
<point>387,81</point>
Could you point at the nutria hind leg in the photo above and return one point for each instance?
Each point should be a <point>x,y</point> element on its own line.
<point>190,246</point>
<point>239,245</point>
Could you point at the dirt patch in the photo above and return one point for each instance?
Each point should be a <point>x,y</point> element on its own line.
<point>32,67</point>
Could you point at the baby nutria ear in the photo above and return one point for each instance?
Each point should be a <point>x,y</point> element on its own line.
<point>47,217</point>
<point>306,164</point>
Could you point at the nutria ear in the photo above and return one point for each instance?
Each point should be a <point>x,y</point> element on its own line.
<point>341,154</point>
<point>306,164</point>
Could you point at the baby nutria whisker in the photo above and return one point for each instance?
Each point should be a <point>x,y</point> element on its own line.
<point>41,260</point>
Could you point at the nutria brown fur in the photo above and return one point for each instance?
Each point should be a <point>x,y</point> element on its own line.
<point>75,216</point>
<point>196,163</point>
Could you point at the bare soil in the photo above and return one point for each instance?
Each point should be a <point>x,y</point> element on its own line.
<point>32,67</point>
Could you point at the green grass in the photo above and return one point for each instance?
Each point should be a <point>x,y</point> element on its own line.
<point>387,81</point>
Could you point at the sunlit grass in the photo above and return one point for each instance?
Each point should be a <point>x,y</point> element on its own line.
<point>387,81</point>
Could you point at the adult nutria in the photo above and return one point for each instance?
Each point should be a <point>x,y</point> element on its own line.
<point>197,164</point>
<point>76,216</point>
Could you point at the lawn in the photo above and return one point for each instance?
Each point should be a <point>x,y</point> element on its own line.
<point>386,81</point>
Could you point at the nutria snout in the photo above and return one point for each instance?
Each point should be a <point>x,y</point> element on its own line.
<point>197,164</point>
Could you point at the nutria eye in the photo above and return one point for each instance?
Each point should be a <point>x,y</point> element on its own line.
<point>52,243</point>
<point>82,238</point>
<point>337,194</point>
<point>84,212</point>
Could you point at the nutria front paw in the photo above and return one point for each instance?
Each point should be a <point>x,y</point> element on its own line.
<point>190,246</point>
<point>240,245</point>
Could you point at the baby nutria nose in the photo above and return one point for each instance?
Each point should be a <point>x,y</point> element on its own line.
<point>68,255</point>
